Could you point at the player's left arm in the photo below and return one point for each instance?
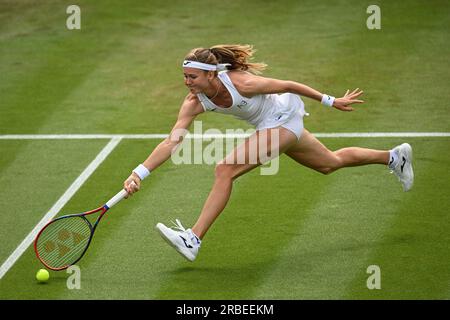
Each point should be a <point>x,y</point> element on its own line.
<point>251,85</point>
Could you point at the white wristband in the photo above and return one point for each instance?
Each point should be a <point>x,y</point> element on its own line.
<point>327,100</point>
<point>141,171</point>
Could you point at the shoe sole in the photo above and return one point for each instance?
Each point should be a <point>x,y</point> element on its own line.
<point>160,227</point>
<point>409,154</point>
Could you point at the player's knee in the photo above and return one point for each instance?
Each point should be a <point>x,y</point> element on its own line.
<point>223,171</point>
<point>331,167</point>
<point>325,170</point>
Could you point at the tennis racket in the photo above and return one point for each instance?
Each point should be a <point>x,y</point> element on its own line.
<point>63,241</point>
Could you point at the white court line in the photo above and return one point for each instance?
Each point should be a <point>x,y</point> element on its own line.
<point>59,205</point>
<point>210,136</point>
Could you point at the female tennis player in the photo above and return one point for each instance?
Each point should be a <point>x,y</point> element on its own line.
<point>222,79</point>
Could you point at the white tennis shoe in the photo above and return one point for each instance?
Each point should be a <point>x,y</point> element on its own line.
<point>184,240</point>
<point>402,168</point>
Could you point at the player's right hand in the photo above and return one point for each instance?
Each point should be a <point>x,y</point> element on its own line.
<point>132,184</point>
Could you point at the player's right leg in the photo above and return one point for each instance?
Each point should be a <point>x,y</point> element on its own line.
<point>241,160</point>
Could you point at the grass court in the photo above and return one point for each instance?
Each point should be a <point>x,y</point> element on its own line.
<point>294,235</point>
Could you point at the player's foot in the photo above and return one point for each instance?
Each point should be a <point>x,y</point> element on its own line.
<point>184,240</point>
<point>402,166</point>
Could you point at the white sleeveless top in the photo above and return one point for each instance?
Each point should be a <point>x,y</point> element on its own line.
<point>262,111</point>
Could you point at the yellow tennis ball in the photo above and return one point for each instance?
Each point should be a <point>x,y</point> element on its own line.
<point>42,275</point>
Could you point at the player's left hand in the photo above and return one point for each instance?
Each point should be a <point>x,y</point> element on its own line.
<point>349,98</point>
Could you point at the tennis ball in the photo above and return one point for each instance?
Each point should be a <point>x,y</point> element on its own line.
<point>42,275</point>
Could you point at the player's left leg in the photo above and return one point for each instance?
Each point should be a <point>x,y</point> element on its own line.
<point>312,153</point>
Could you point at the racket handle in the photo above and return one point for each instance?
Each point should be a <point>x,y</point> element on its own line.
<point>114,200</point>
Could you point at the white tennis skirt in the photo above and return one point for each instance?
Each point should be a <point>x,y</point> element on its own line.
<point>292,120</point>
<point>295,124</point>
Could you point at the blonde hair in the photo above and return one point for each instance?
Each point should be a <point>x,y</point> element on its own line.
<point>235,54</point>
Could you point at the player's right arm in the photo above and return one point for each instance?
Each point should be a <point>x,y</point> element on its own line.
<point>190,108</point>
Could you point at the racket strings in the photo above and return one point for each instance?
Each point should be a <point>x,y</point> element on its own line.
<point>64,241</point>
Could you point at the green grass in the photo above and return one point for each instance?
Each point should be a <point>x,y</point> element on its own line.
<point>294,235</point>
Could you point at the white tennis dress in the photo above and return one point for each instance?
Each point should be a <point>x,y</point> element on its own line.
<point>262,111</point>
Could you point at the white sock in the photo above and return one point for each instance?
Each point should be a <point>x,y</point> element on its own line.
<point>393,158</point>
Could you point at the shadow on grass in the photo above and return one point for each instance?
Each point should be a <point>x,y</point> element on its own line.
<point>230,281</point>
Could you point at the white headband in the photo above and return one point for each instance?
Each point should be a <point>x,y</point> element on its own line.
<point>205,66</point>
